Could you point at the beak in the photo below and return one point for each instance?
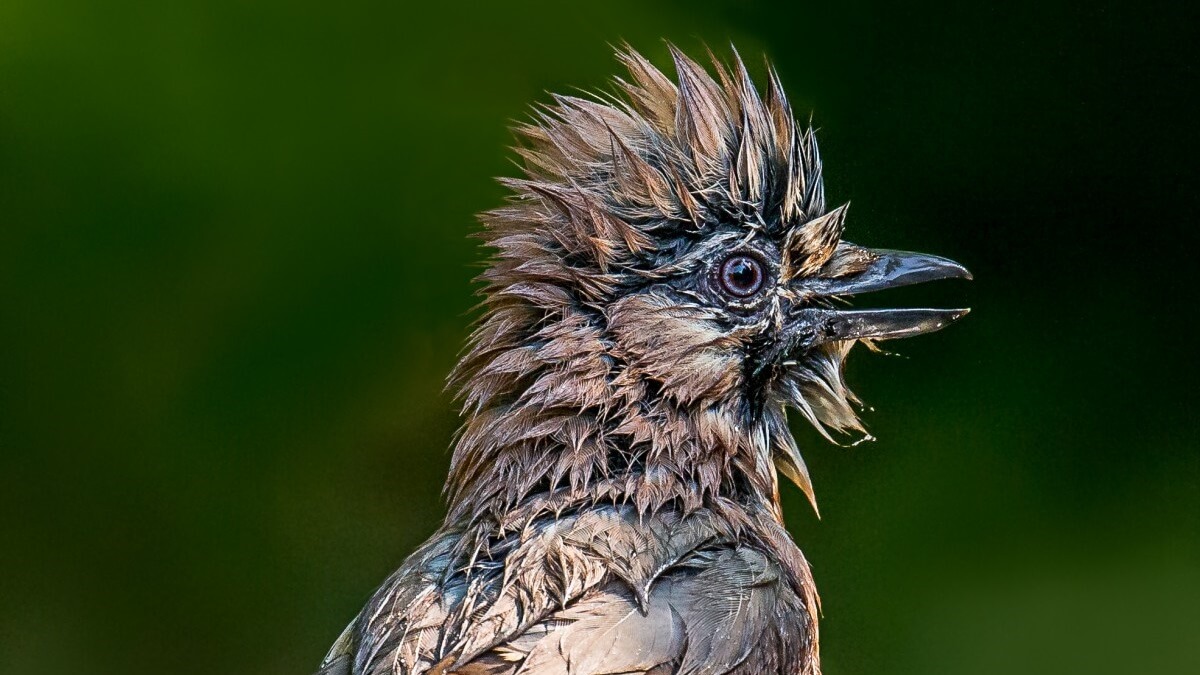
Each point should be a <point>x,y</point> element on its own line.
<point>810,326</point>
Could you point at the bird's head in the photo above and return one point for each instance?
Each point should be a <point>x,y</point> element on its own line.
<point>667,276</point>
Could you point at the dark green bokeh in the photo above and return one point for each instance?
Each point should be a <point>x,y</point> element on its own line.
<point>234,269</point>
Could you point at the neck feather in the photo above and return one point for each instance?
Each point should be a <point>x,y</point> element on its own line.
<point>555,420</point>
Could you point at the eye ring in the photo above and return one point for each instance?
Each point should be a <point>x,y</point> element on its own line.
<point>741,276</point>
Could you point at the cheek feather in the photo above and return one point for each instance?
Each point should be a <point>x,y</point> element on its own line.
<point>680,347</point>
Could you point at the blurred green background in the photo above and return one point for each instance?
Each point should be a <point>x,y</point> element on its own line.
<point>234,270</point>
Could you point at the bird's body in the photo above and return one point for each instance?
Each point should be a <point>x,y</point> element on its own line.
<point>598,591</point>
<point>660,296</point>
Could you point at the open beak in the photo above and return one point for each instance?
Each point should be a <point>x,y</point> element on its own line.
<point>809,326</point>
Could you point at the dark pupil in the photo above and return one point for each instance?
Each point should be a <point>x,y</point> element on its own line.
<point>741,275</point>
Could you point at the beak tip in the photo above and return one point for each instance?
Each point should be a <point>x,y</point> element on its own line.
<point>953,270</point>
<point>955,315</point>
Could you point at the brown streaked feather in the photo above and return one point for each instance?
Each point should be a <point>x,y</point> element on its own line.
<point>808,247</point>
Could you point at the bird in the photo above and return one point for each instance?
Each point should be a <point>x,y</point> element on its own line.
<point>665,285</point>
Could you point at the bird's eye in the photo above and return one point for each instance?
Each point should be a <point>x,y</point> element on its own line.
<point>741,276</point>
